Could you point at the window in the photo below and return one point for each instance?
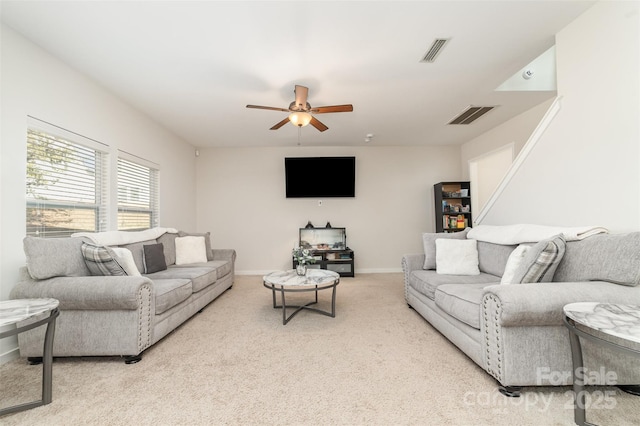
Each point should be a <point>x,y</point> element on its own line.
<point>137,195</point>
<point>66,183</point>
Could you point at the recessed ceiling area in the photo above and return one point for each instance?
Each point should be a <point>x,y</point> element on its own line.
<point>193,66</point>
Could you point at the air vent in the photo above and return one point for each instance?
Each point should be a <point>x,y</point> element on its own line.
<point>434,50</point>
<point>471,114</point>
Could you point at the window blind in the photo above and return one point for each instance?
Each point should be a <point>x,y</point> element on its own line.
<point>66,185</point>
<point>137,196</point>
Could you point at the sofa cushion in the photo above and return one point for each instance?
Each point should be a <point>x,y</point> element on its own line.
<point>170,292</point>
<point>222,267</point>
<point>429,244</point>
<point>101,260</point>
<point>605,257</point>
<point>207,240</point>
<point>190,249</point>
<point>456,257</point>
<point>541,261</point>
<point>168,240</point>
<point>426,282</point>
<point>125,258</point>
<point>492,258</point>
<point>513,263</point>
<point>137,251</point>
<point>54,257</point>
<point>153,256</point>
<point>461,301</point>
<point>200,277</point>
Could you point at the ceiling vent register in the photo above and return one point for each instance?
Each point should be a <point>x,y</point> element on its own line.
<point>471,114</point>
<point>434,50</point>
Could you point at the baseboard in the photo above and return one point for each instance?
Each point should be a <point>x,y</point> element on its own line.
<point>9,356</point>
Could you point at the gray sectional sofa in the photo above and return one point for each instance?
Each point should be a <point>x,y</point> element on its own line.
<point>514,330</point>
<point>120,308</point>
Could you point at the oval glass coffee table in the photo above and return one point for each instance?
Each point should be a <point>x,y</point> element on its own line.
<point>290,282</point>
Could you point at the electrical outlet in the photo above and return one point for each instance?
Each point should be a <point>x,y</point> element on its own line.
<point>319,203</point>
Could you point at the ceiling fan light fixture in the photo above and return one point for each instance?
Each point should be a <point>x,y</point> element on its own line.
<point>300,119</point>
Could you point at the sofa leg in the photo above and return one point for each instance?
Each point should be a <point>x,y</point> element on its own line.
<point>132,359</point>
<point>632,389</point>
<point>34,360</point>
<point>510,391</point>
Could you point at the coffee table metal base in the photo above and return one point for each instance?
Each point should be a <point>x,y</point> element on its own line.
<point>307,306</point>
<point>47,361</point>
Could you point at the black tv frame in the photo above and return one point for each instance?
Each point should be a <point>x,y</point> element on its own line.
<point>320,177</point>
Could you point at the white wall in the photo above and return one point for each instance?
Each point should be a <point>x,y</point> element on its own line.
<point>37,84</point>
<point>515,131</point>
<point>241,201</point>
<point>585,168</point>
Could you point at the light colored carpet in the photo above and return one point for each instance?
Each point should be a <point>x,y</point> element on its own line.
<point>377,363</point>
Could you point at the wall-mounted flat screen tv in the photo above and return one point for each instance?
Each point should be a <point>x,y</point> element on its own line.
<point>320,177</point>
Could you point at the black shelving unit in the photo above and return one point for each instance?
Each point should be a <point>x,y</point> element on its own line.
<point>329,248</point>
<point>452,206</point>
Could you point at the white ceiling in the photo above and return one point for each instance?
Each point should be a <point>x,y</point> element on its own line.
<point>193,66</point>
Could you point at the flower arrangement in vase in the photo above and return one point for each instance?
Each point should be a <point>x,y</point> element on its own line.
<point>302,257</point>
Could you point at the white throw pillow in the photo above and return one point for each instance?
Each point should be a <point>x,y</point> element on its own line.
<point>190,250</point>
<point>125,258</point>
<point>457,257</point>
<point>513,263</point>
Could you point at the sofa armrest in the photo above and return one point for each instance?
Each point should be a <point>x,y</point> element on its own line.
<point>89,293</point>
<point>540,304</point>
<point>224,254</point>
<point>411,262</point>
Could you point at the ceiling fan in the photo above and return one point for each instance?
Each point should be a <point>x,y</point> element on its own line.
<point>301,112</point>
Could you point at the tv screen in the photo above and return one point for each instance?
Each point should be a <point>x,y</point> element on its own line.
<point>320,177</point>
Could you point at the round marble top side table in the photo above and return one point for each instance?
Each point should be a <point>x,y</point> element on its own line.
<point>617,320</point>
<point>13,312</point>
<point>290,282</point>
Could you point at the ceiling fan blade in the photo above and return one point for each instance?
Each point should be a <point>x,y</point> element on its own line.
<point>301,96</point>
<point>280,124</point>
<point>267,107</point>
<point>317,124</point>
<point>332,108</point>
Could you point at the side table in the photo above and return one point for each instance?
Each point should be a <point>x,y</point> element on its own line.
<point>617,320</point>
<point>15,311</point>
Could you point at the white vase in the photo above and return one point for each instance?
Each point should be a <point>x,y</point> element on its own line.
<point>301,270</point>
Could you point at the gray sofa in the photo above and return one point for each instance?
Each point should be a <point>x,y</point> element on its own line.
<point>515,332</point>
<point>125,313</point>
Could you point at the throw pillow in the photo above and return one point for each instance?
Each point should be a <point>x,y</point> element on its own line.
<point>207,240</point>
<point>101,260</point>
<point>153,258</point>
<point>429,243</point>
<point>541,261</point>
<point>125,258</point>
<point>513,263</point>
<point>190,250</point>
<point>54,257</point>
<point>457,257</point>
